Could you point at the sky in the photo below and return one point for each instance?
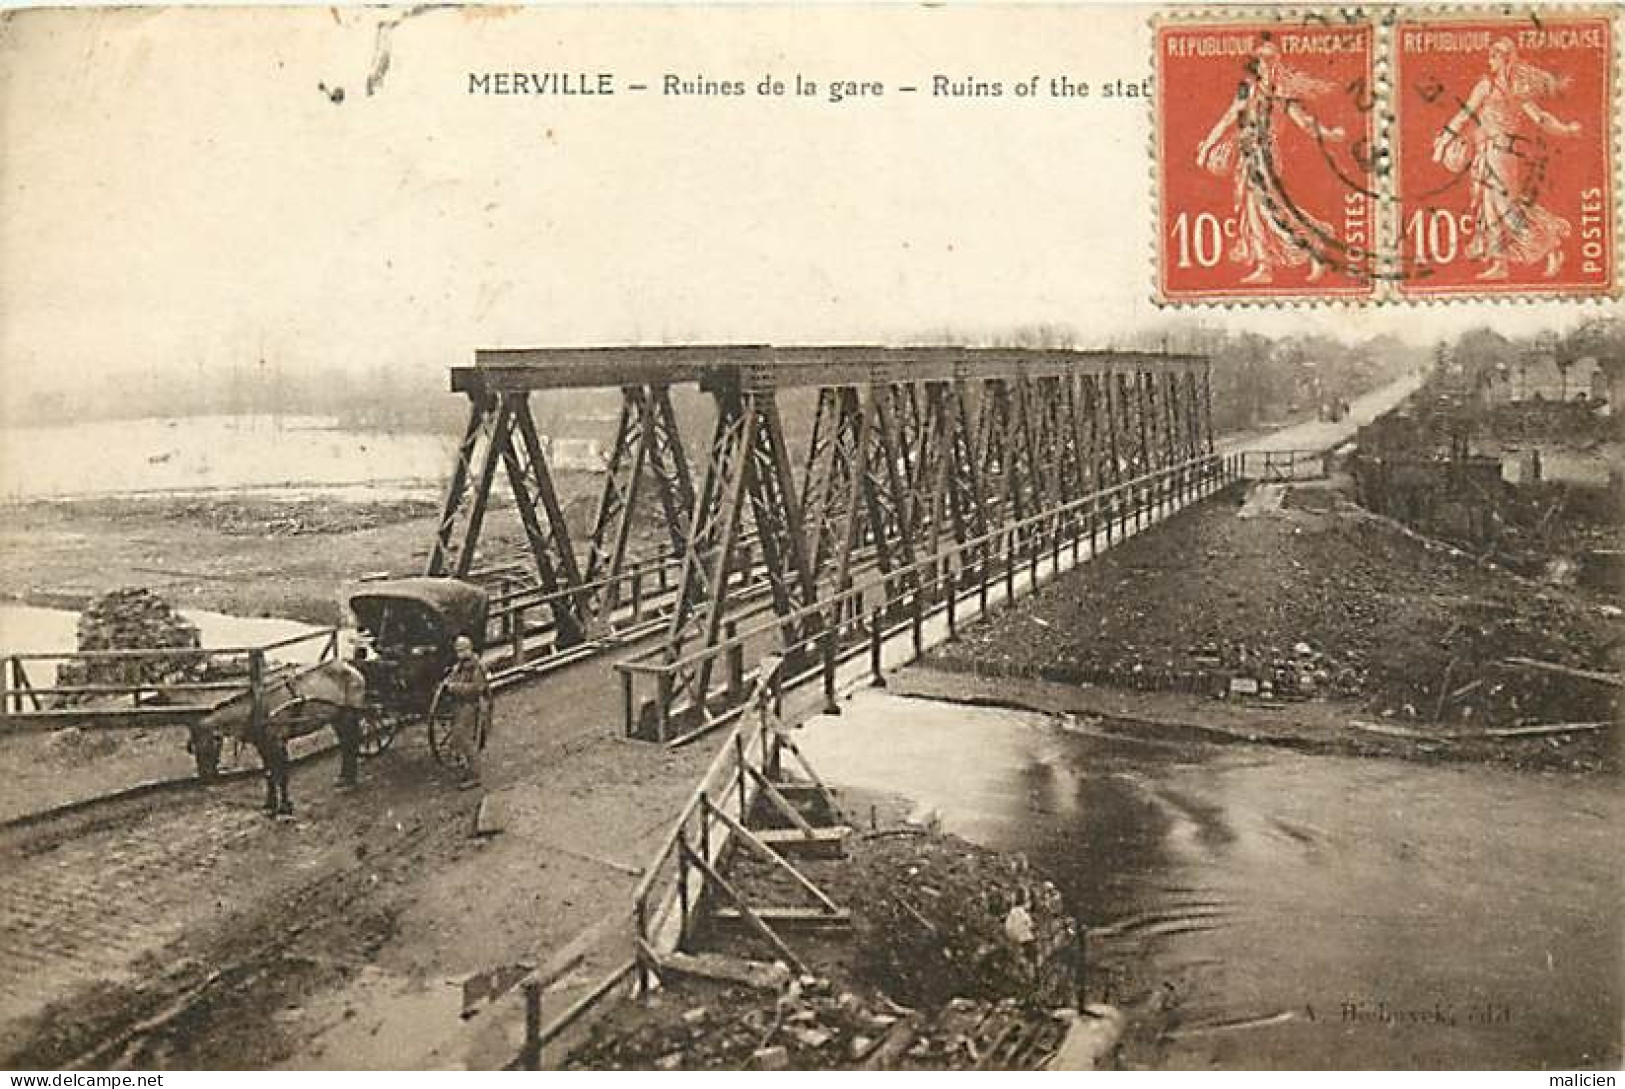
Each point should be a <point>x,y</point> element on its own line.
<point>179,188</point>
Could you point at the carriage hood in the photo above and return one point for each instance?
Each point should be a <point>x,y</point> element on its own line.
<point>460,607</point>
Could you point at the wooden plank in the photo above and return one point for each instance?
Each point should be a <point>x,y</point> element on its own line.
<point>780,802</point>
<point>725,969</point>
<point>824,792</point>
<point>1548,729</point>
<point>586,1002</point>
<point>1614,680</point>
<point>744,910</point>
<point>893,1044</point>
<point>102,718</point>
<point>823,843</point>
<point>756,844</point>
<point>794,918</point>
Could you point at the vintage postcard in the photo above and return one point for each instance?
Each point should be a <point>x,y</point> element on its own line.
<point>863,537</point>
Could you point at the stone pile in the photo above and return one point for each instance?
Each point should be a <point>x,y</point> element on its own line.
<point>135,619</point>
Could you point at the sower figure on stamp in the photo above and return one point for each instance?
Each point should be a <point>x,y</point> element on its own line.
<point>1486,136</point>
<point>1270,230</point>
<point>469,690</point>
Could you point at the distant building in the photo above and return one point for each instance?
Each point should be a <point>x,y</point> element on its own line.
<point>1538,377</point>
<point>1609,384</point>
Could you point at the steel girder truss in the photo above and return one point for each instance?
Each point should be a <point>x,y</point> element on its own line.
<point>502,429</point>
<point>749,463</point>
<point>647,444</point>
<point>909,448</point>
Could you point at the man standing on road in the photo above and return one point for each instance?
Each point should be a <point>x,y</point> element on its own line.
<point>347,724</point>
<point>468,688</point>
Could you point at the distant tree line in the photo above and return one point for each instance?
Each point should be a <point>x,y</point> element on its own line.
<point>376,398</point>
<point>1257,380</point>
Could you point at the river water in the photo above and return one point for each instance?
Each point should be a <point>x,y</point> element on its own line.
<point>1285,910</point>
<point>288,456</point>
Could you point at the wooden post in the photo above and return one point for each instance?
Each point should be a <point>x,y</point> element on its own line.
<point>637,595</point>
<point>705,830</point>
<point>828,645</point>
<point>516,633</point>
<point>1081,976</point>
<point>736,663</point>
<point>682,885</point>
<point>533,1025</point>
<point>981,578</point>
<point>1009,568</point>
<point>877,678</point>
<point>663,697</point>
<point>916,621</point>
<point>627,709</point>
<point>953,607</point>
<point>641,913</point>
<point>739,768</point>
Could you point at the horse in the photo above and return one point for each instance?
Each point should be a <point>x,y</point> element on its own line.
<point>297,702</point>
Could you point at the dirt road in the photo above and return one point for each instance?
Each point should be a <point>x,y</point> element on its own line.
<point>333,940</point>
<point>1325,434</point>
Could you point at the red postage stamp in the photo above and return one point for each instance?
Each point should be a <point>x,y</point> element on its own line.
<point>1503,145</point>
<point>1267,160</point>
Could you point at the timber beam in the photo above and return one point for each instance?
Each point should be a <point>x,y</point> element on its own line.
<point>524,369</point>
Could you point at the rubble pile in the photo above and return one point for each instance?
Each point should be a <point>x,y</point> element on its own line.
<point>268,516</point>
<point>811,1025</point>
<point>1311,601</point>
<point>135,619</point>
<point>959,957</point>
<point>816,1025</point>
<point>298,518</point>
<point>940,918</point>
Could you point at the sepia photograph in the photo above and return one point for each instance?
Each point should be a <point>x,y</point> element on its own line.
<point>803,536</point>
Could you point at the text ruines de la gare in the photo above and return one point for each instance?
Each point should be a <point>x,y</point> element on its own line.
<point>551,83</point>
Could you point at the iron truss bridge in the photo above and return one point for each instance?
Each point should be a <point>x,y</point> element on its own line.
<point>905,477</point>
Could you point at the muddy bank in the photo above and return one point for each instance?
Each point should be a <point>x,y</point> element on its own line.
<point>1324,727</point>
<point>1295,600</point>
<point>245,557</point>
<point>286,557</point>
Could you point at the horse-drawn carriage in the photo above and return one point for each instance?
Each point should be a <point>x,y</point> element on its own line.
<point>405,648</point>
<point>407,628</point>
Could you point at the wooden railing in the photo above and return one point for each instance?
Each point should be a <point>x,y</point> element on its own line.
<point>1284,466</point>
<point>27,704</point>
<point>842,623</point>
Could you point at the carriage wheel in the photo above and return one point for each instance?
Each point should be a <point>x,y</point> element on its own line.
<point>378,730</point>
<point>440,715</point>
